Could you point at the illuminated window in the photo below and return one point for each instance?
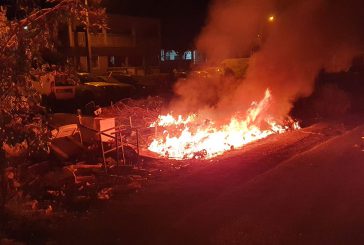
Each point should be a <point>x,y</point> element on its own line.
<point>162,55</point>
<point>187,55</point>
<point>171,55</point>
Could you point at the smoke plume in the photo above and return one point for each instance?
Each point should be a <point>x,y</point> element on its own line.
<point>305,37</point>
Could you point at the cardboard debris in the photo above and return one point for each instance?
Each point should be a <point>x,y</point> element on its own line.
<point>66,148</point>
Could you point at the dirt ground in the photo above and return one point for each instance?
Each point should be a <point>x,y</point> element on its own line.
<point>302,187</point>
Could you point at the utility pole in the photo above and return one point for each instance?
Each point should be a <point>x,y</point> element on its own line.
<point>88,41</point>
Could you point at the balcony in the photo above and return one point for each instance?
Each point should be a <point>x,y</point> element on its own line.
<point>108,40</point>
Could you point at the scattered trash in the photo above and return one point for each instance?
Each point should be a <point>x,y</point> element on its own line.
<point>56,193</point>
<point>49,210</point>
<point>135,185</point>
<point>34,205</point>
<point>104,194</point>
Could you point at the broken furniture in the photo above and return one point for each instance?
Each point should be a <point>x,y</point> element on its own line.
<point>113,139</point>
<point>67,141</point>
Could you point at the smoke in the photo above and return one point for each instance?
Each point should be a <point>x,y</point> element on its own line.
<point>305,37</point>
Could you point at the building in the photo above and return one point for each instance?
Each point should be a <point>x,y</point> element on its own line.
<point>130,44</point>
<point>180,60</point>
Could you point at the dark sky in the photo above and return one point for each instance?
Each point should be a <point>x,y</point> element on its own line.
<point>181,19</point>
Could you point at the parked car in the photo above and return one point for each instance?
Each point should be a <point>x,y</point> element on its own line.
<point>54,85</point>
<point>146,85</point>
<point>102,89</point>
<point>141,89</point>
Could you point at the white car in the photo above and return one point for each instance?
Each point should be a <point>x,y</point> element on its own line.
<point>56,85</point>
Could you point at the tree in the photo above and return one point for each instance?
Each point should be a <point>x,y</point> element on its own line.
<point>23,131</point>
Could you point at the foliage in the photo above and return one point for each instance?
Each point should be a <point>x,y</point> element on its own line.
<point>23,131</point>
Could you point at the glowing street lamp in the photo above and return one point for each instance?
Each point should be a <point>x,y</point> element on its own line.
<point>271,18</point>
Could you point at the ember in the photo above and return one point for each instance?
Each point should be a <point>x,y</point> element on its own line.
<point>194,138</point>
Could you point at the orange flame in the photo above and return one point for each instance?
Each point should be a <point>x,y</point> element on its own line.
<point>189,138</point>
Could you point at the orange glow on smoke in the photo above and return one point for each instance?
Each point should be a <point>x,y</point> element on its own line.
<point>192,138</point>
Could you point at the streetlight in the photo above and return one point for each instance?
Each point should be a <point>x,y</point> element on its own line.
<point>271,18</point>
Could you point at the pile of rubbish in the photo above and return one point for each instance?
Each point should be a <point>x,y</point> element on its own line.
<point>140,113</point>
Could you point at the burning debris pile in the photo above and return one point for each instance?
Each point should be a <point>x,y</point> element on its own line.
<point>77,184</point>
<point>195,136</point>
<point>198,138</point>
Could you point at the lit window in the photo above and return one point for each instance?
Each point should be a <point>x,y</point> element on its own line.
<point>187,55</point>
<point>171,55</point>
<point>162,55</point>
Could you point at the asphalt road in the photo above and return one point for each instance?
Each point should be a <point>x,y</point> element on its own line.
<point>303,187</point>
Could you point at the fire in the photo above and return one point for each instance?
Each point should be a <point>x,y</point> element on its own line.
<point>201,139</point>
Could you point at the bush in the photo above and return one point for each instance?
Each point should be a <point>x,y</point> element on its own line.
<point>331,102</point>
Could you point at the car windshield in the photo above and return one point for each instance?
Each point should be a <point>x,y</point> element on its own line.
<point>107,79</point>
<point>125,79</point>
<point>87,78</point>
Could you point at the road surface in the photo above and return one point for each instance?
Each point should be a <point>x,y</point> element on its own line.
<point>302,187</point>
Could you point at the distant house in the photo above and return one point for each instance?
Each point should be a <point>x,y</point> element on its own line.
<point>130,44</point>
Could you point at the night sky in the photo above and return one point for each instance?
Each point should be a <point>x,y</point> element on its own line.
<point>181,20</point>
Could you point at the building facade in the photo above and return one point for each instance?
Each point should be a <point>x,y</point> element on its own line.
<point>129,44</point>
